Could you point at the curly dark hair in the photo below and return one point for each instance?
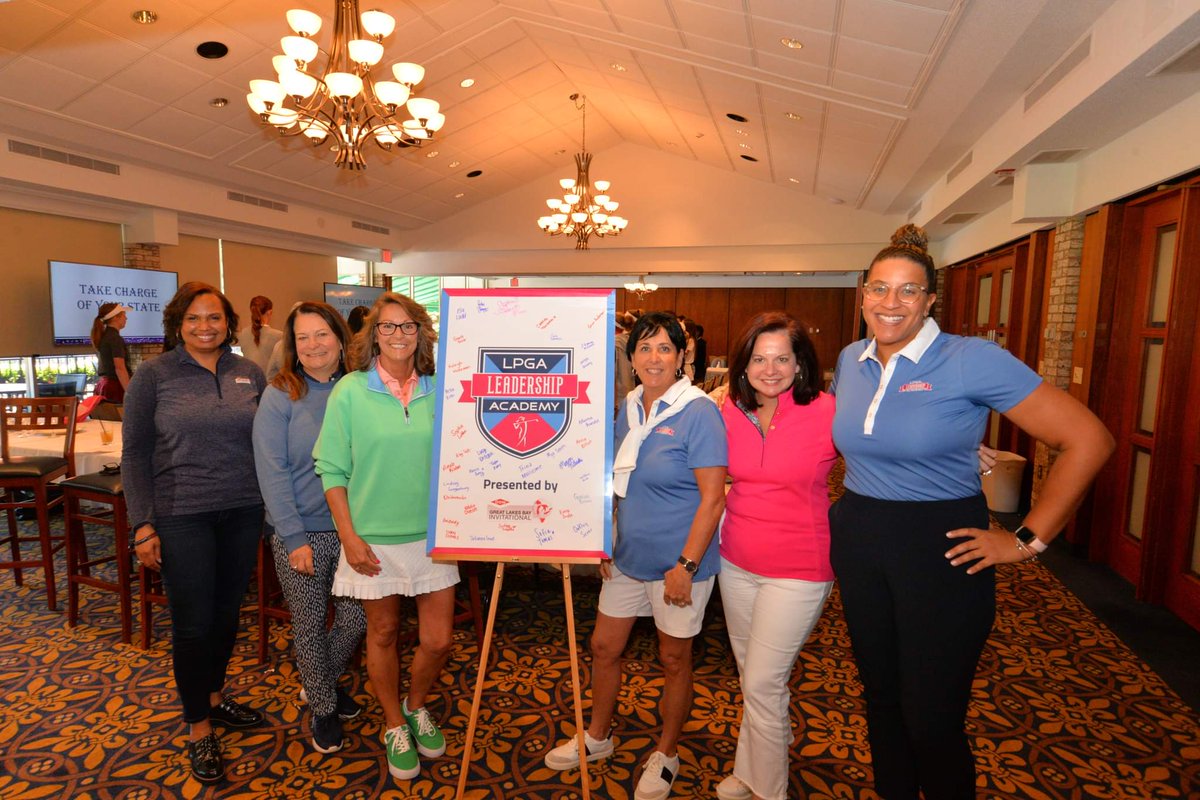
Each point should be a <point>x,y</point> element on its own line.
<point>183,299</point>
<point>808,380</point>
<point>912,243</point>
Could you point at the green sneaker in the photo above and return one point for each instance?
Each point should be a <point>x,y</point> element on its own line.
<point>430,742</point>
<point>402,758</point>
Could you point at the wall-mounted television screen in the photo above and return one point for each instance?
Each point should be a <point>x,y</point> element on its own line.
<point>78,290</point>
<point>344,297</point>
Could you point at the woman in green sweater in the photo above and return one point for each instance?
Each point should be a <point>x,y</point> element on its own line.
<point>374,455</point>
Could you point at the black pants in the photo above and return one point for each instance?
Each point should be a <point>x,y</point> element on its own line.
<point>917,626</point>
<point>207,560</point>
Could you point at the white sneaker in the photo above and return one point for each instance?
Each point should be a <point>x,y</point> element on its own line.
<point>657,777</point>
<point>566,755</point>
<point>732,788</point>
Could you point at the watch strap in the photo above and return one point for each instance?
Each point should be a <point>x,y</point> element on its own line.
<point>689,566</point>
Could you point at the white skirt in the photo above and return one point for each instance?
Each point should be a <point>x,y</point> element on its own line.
<point>405,570</point>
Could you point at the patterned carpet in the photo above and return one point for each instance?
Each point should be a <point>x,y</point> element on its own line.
<point>1061,710</point>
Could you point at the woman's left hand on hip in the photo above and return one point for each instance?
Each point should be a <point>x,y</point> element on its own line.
<point>985,548</point>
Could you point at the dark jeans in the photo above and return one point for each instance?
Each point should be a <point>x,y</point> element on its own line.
<point>917,626</point>
<point>207,560</point>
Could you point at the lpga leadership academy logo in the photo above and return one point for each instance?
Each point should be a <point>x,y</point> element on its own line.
<point>523,396</point>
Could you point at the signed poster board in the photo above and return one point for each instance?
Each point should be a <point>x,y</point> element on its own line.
<point>523,433</point>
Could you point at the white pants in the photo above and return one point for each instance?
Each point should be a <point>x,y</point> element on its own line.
<point>768,619</point>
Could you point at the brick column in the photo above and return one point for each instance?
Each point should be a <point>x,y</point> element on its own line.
<point>143,256</point>
<point>1059,334</point>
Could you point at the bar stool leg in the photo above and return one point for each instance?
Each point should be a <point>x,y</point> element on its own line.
<point>73,529</point>
<point>43,521</point>
<point>124,568</point>
<point>14,536</point>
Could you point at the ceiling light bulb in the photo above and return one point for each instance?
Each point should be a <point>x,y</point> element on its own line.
<point>435,122</point>
<point>790,43</point>
<point>391,93</point>
<point>303,21</point>
<point>408,73</point>
<point>298,84</point>
<point>378,24</point>
<point>144,17</point>
<point>282,64</point>
<point>571,199</point>
<point>269,91</point>
<point>422,108</point>
<point>467,83</point>
<point>343,84</point>
<point>601,199</point>
<point>365,51</point>
<point>256,103</point>
<point>299,48</point>
<point>566,183</point>
<point>601,186</point>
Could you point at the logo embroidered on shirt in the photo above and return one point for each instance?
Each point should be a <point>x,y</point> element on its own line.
<point>664,430</point>
<point>917,386</point>
<point>241,380</point>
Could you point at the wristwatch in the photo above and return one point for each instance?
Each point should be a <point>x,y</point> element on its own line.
<point>1029,539</point>
<point>689,566</point>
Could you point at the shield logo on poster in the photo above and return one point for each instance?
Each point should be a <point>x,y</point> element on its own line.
<point>524,396</point>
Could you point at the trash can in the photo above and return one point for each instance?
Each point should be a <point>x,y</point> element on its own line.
<point>1002,486</point>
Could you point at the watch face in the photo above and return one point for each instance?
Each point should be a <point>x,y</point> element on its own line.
<point>1025,535</point>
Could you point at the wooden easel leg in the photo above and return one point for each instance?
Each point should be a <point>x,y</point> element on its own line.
<point>581,743</point>
<point>483,662</point>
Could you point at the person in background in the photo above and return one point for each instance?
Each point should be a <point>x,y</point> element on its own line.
<point>623,369</point>
<point>910,539</point>
<point>374,455</point>
<point>701,355</point>
<point>670,475</point>
<point>112,356</point>
<point>258,339</point>
<point>775,573</point>
<point>194,504</point>
<point>358,315</point>
<point>304,542</point>
<point>689,352</point>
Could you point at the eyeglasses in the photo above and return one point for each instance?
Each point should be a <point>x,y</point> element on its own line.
<point>388,328</point>
<point>907,293</point>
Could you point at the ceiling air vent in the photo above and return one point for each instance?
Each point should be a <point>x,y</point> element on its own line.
<point>912,212</point>
<point>1055,156</point>
<point>366,226</point>
<point>58,156</point>
<point>963,163</point>
<point>1186,62</point>
<point>960,218</point>
<point>1055,74</point>
<point>261,202</point>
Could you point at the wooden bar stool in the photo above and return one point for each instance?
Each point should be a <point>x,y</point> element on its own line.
<point>152,595</point>
<point>100,489</point>
<point>34,474</point>
<point>271,603</point>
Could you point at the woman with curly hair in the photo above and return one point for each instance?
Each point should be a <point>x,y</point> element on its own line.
<point>375,456</point>
<point>194,505</point>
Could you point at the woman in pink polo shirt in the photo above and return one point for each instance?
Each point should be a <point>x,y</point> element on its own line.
<point>775,573</point>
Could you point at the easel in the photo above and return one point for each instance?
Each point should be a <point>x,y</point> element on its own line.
<point>565,565</point>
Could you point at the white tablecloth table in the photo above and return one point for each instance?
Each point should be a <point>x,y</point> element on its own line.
<point>90,453</point>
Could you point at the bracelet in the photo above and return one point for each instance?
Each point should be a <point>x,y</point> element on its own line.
<point>138,542</point>
<point>1029,555</point>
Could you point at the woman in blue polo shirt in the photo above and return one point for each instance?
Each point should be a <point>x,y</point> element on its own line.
<point>669,474</point>
<point>910,542</point>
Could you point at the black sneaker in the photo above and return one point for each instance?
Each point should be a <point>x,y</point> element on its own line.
<point>233,714</point>
<point>205,758</point>
<point>327,736</point>
<point>347,706</point>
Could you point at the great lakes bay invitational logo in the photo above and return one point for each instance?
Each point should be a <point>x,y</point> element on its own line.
<point>523,396</point>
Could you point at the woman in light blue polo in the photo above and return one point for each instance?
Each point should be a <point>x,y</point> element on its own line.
<point>669,474</point>
<point>910,542</point>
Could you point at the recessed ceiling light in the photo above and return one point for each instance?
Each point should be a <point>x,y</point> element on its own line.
<point>618,67</point>
<point>790,43</point>
<point>792,115</point>
<point>453,164</point>
<point>793,180</point>
<point>749,158</point>
<point>744,146</point>
<point>212,50</point>
<point>475,173</point>
<point>218,102</point>
<point>737,117</point>
<point>467,83</point>
<point>741,132</point>
<point>460,194</point>
<point>432,154</point>
<point>144,17</point>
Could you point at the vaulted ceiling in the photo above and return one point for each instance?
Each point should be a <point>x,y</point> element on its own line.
<point>878,102</point>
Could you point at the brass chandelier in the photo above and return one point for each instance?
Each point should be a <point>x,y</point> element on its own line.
<point>585,209</point>
<point>342,100</point>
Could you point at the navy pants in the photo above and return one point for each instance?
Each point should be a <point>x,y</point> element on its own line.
<point>917,626</point>
<point>207,560</point>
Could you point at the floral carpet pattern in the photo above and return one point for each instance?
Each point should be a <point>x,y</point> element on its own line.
<point>1061,709</point>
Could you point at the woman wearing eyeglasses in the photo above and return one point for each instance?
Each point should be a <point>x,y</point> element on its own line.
<point>910,539</point>
<point>374,455</point>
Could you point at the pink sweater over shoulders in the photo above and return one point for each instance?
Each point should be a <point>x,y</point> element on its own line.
<point>777,511</point>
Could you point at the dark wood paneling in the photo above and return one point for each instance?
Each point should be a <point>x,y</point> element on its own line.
<point>710,308</point>
<point>822,313</point>
<point>745,303</point>
<point>660,300</point>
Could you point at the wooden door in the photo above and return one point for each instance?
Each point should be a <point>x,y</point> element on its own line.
<point>990,318</point>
